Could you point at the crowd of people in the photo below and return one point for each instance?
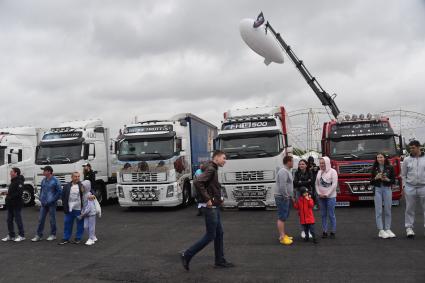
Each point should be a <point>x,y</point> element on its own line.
<point>78,200</point>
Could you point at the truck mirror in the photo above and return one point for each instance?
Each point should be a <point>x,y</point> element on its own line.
<point>216,143</point>
<point>400,142</point>
<point>19,155</point>
<point>9,158</point>
<point>92,151</point>
<point>116,151</point>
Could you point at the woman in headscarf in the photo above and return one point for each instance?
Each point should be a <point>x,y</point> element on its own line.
<point>326,184</point>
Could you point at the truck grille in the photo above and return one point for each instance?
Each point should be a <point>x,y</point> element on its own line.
<point>363,168</point>
<point>250,193</point>
<point>149,177</point>
<point>246,176</point>
<point>139,193</point>
<point>63,178</point>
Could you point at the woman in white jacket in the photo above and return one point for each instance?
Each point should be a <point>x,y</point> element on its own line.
<point>326,184</point>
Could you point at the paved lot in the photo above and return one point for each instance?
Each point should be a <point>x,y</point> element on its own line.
<point>142,246</point>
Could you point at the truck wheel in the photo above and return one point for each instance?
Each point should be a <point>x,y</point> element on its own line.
<point>28,196</point>
<point>100,193</point>
<point>186,194</point>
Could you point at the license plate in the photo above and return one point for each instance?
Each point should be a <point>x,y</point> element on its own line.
<point>366,197</point>
<point>146,203</point>
<point>251,204</point>
<point>342,203</point>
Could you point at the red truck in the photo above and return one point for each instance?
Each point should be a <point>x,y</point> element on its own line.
<point>352,143</point>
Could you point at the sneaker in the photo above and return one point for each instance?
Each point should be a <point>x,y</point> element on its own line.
<point>410,233</point>
<point>90,242</point>
<point>315,207</point>
<point>95,239</point>
<point>286,241</point>
<point>303,235</point>
<point>224,264</point>
<point>36,238</point>
<point>324,235</point>
<point>8,238</point>
<point>289,237</point>
<point>51,238</point>
<point>184,260</point>
<point>382,234</point>
<point>77,241</point>
<point>390,233</point>
<point>332,236</point>
<point>19,239</point>
<point>64,242</point>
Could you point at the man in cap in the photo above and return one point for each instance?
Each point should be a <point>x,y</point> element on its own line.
<point>50,192</point>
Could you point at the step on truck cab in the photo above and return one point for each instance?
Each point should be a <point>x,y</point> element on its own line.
<point>157,160</point>
<point>17,149</point>
<point>70,145</point>
<point>255,141</point>
<point>352,143</point>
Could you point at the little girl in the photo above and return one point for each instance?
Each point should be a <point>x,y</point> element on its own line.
<point>305,205</point>
<point>89,212</point>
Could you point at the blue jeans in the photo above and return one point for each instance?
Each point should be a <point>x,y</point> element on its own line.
<point>42,219</point>
<point>14,213</point>
<point>327,209</point>
<point>214,232</point>
<point>383,195</point>
<point>69,223</point>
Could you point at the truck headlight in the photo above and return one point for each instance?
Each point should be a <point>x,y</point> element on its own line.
<point>120,192</point>
<point>126,177</point>
<point>170,191</point>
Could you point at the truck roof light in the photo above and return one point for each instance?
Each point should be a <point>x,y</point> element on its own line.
<point>340,118</point>
<point>369,116</point>
<point>361,116</point>
<point>354,117</point>
<point>347,117</point>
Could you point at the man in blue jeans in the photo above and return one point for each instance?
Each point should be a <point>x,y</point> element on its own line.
<point>209,191</point>
<point>50,192</point>
<point>72,201</point>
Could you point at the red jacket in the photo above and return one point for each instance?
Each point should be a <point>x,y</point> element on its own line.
<point>305,210</point>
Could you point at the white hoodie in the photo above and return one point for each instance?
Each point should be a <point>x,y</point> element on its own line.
<point>327,180</point>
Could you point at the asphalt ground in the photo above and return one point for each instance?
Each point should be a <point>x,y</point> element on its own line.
<point>142,245</point>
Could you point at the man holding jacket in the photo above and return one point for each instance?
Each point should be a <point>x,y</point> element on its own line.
<point>50,192</point>
<point>209,190</point>
<point>14,205</point>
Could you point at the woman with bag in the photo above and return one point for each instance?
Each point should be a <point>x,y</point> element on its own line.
<point>382,178</point>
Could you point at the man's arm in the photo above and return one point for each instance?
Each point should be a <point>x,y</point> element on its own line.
<point>58,190</point>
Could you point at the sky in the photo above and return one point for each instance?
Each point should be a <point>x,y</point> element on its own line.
<point>115,60</point>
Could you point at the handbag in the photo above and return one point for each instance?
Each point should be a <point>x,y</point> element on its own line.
<point>98,208</point>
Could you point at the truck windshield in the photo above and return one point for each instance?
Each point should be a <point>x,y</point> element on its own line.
<point>362,148</point>
<point>250,146</point>
<point>146,149</point>
<point>58,154</point>
<point>2,160</point>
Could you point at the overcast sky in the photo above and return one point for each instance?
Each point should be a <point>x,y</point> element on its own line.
<point>77,59</point>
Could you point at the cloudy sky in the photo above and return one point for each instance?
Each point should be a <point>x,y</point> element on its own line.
<point>77,59</point>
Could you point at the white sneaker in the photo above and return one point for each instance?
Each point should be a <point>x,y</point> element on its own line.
<point>410,233</point>
<point>95,239</point>
<point>90,242</point>
<point>36,238</point>
<point>19,239</point>
<point>390,233</point>
<point>8,238</point>
<point>303,234</point>
<point>51,238</point>
<point>382,234</point>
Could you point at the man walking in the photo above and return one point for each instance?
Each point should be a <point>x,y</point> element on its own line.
<point>413,173</point>
<point>14,204</point>
<point>210,199</point>
<point>283,196</point>
<point>72,201</point>
<point>50,192</point>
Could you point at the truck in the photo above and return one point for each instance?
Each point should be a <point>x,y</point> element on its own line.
<point>70,145</point>
<point>17,149</point>
<point>255,141</point>
<point>352,142</point>
<point>157,160</point>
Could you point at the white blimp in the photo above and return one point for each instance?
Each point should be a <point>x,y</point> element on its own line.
<point>261,42</point>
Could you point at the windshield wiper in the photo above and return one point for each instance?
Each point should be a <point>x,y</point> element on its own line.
<point>351,156</point>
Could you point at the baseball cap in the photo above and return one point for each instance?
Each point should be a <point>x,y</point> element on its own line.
<point>86,164</point>
<point>47,168</point>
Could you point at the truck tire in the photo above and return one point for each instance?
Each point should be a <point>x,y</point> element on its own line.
<point>100,192</point>
<point>187,197</point>
<point>28,195</point>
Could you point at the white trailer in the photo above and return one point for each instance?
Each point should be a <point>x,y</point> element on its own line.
<point>255,141</point>
<point>17,149</point>
<point>67,147</point>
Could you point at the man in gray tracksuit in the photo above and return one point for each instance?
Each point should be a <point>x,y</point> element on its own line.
<point>413,173</point>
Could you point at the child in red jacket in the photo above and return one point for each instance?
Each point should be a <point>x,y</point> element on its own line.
<point>305,205</point>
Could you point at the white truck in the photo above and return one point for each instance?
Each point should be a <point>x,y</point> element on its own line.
<point>255,141</point>
<point>158,159</point>
<point>17,149</point>
<point>70,145</point>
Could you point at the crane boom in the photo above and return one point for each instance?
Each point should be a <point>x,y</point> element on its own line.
<point>325,98</point>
